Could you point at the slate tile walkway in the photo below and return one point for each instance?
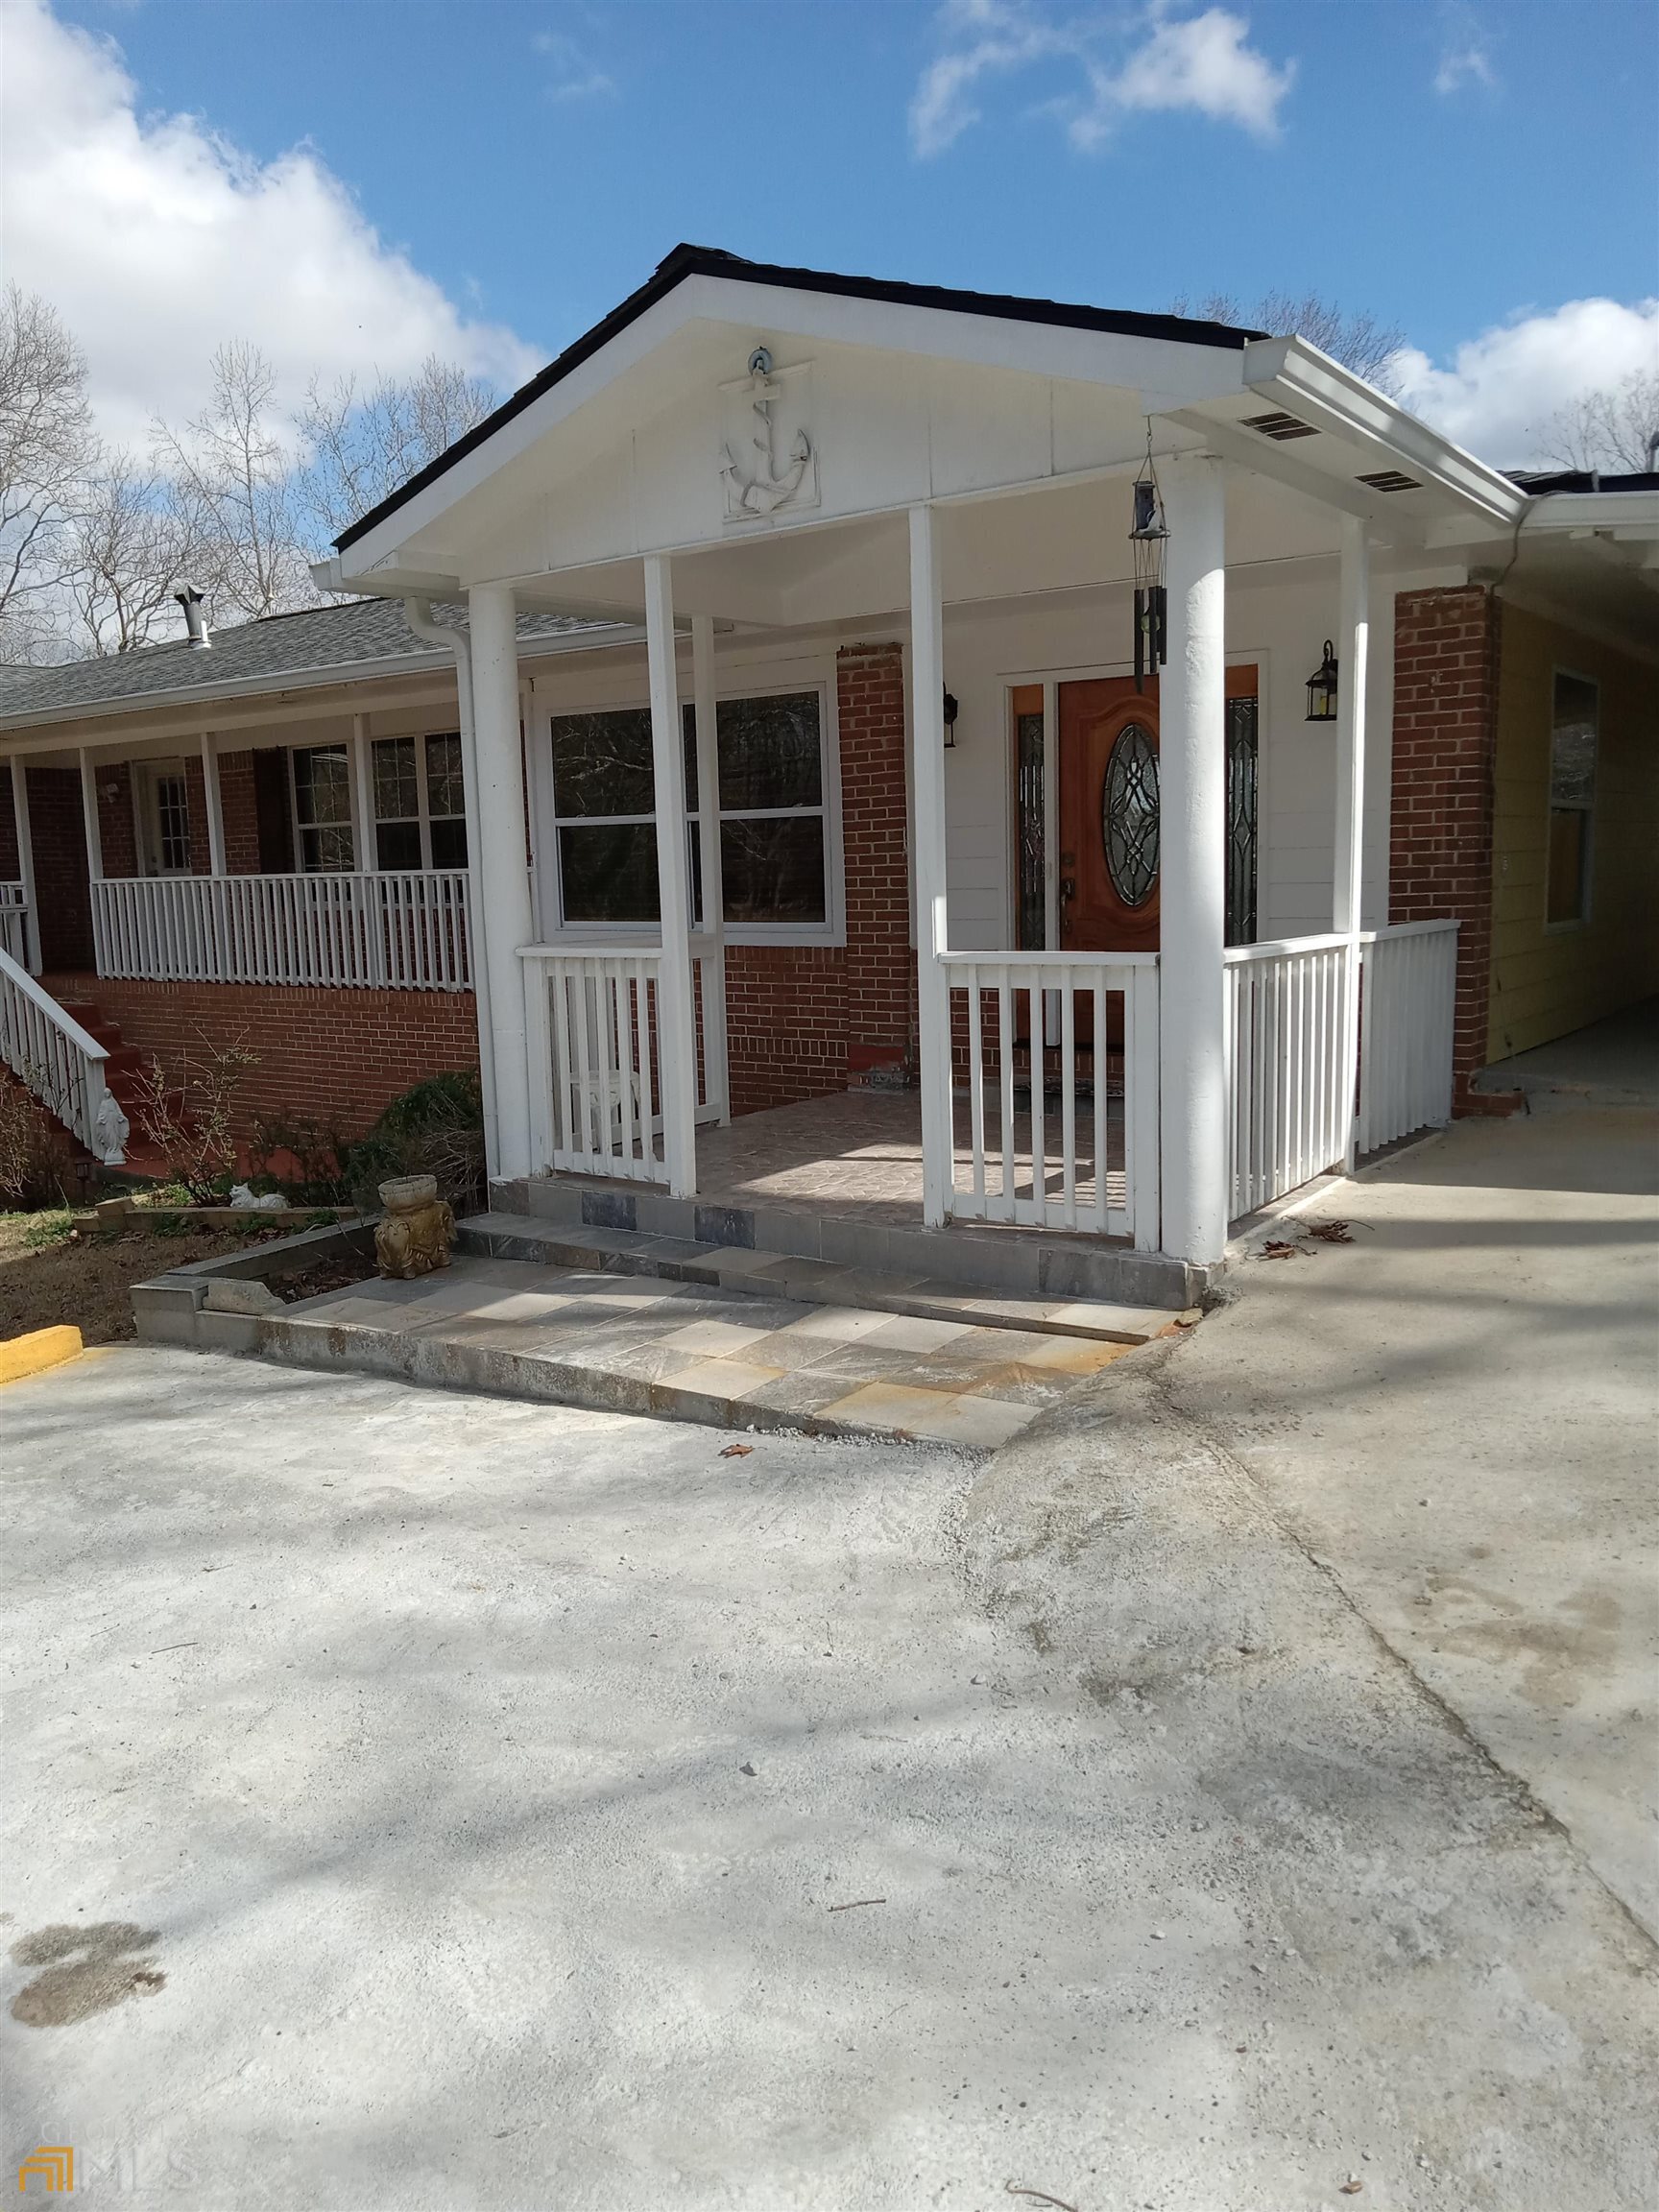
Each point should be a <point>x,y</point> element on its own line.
<point>641,1344</point>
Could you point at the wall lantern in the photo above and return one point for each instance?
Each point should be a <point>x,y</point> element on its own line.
<point>1322,688</point>
<point>951,710</point>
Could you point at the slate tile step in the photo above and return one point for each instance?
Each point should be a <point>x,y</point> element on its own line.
<point>528,1237</point>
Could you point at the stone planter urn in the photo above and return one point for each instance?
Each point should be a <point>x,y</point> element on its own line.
<point>418,1230</point>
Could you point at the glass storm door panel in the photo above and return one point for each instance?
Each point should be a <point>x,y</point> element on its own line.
<point>164,819</point>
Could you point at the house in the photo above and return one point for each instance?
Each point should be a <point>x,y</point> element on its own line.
<point>1138,758</point>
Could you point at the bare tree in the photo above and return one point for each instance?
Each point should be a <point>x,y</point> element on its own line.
<point>232,483</point>
<point>130,546</point>
<point>47,445</point>
<point>1614,428</point>
<point>363,446</point>
<point>1361,341</point>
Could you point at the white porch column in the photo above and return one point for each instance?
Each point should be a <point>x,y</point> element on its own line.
<point>1353,663</point>
<point>500,866</point>
<point>676,1015</point>
<point>215,804</point>
<point>365,855</point>
<point>26,863</point>
<point>927,785</point>
<point>1193,1058</point>
<point>94,854</point>
<point>706,713</point>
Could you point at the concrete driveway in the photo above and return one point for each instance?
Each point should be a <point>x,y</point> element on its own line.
<point>418,1800</point>
<point>1459,1412</point>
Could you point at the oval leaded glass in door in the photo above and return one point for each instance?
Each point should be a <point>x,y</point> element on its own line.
<point>1129,815</point>
<point>1240,821</point>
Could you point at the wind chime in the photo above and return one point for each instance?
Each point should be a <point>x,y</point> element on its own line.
<point>1148,535</point>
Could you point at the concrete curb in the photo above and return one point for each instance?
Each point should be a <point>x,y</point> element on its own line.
<point>41,1348</point>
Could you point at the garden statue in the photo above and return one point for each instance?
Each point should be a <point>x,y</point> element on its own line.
<point>418,1229</point>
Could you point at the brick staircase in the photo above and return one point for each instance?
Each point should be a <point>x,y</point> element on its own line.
<point>123,1074</point>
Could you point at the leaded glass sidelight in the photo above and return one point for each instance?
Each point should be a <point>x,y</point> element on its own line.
<point>1033,887</point>
<point>1129,815</point>
<point>1241,788</point>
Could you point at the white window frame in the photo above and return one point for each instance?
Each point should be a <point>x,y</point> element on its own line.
<point>1582,919</point>
<point>351,824</point>
<point>147,816</point>
<point>547,822</point>
<point>420,739</point>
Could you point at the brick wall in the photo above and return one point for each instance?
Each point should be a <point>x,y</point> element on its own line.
<point>117,834</point>
<point>881,970</point>
<point>330,1055</point>
<point>1440,830</point>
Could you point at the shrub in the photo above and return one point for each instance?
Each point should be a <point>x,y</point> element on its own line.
<point>436,1129</point>
<point>189,1118</point>
<point>318,1149</point>
<point>35,1155</point>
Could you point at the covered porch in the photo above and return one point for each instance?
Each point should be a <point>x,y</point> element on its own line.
<point>923,483</point>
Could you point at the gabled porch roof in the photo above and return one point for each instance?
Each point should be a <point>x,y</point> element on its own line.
<point>920,392</point>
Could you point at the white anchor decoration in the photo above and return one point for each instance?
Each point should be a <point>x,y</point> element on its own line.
<point>766,491</point>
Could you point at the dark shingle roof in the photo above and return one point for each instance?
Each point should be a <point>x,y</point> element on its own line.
<point>279,648</point>
<point>1537,481</point>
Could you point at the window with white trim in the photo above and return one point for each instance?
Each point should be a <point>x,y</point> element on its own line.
<point>1573,730</point>
<point>772,800</point>
<point>419,806</point>
<point>322,808</point>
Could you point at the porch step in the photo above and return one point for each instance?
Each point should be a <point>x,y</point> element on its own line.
<point>989,1261</point>
<point>805,1282</point>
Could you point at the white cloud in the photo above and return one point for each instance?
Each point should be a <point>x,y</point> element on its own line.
<point>1201,63</point>
<point>1465,56</point>
<point>1501,389</point>
<point>574,76</point>
<point>157,239</point>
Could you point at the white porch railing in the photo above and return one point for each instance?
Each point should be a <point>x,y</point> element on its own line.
<point>52,1055</point>
<point>1289,1120</point>
<point>1408,981</point>
<point>406,930</point>
<point>1292,1108</point>
<point>592,1034</point>
<point>14,921</point>
<point>1069,1139</point>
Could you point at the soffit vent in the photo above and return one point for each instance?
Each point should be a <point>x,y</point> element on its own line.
<point>1391,480</point>
<point>1280,426</point>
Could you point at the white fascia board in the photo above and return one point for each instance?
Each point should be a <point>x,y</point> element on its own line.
<point>1245,450</point>
<point>1309,384</point>
<point>384,665</point>
<point>1190,372</point>
<point>1623,515</point>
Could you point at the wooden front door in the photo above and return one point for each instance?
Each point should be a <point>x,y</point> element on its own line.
<point>1109,811</point>
<point>1108,816</point>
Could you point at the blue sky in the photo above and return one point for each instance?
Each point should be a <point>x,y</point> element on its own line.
<point>1459,170</point>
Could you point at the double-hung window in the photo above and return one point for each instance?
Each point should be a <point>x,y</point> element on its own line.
<point>322,808</point>
<point>1572,800</point>
<point>773,810</point>
<point>420,808</point>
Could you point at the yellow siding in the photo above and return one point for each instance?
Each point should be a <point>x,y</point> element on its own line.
<point>1546,982</point>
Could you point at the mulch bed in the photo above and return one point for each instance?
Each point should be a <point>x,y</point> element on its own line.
<point>87,1280</point>
<point>338,1272</point>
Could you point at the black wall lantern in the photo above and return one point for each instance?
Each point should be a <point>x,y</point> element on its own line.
<point>951,710</point>
<point>1322,688</point>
